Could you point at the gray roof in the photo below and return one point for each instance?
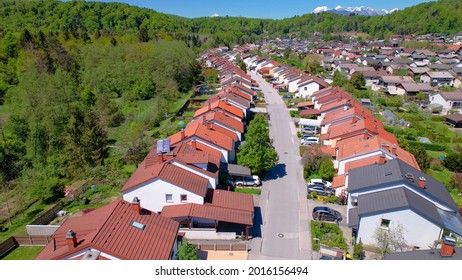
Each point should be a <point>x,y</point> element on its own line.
<point>398,199</point>
<point>380,176</point>
<point>432,254</point>
<point>452,95</point>
<point>353,217</point>
<point>439,66</point>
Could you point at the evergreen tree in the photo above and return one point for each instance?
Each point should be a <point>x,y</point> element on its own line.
<point>327,170</point>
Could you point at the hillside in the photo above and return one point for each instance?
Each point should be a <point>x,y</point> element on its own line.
<point>443,16</point>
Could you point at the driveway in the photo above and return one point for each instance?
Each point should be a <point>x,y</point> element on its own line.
<point>284,208</point>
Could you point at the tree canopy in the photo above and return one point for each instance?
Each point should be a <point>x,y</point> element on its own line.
<point>257,153</point>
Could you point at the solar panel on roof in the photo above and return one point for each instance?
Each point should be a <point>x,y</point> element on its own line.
<point>163,146</point>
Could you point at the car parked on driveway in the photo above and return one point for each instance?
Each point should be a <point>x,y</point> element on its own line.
<point>288,96</point>
<point>320,190</point>
<point>326,214</point>
<point>253,181</point>
<point>321,182</point>
<point>309,140</point>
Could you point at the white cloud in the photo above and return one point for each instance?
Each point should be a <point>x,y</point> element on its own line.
<point>215,15</point>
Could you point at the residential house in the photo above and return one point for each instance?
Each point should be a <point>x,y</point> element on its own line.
<point>389,83</point>
<point>202,134</point>
<point>310,84</point>
<point>446,250</point>
<point>437,79</point>
<point>120,230</point>
<point>228,213</point>
<point>411,89</point>
<point>448,100</point>
<point>454,120</point>
<point>387,195</point>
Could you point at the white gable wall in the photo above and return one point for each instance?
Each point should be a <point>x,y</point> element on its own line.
<point>152,195</point>
<point>308,89</point>
<point>412,222</point>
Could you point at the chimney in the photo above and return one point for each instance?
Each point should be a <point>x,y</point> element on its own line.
<point>136,206</point>
<point>71,239</point>
<point>354,120</point>
<point>209,125</point>
<point>204,119</point>
<point>393,149</point>
<point>447,247</point>
<point>422,182</point>
<point>182,134</point>
<point>382,159</point>
<point>209,106</point>
<point>194,144</point>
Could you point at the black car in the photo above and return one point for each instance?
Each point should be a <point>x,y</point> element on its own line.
<point>320,190</point>
<point>326,214</point>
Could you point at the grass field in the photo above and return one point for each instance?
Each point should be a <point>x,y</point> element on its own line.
<point>248,190</point>
<point>24,253</point>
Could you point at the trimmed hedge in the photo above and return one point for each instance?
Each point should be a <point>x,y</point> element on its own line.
<point>430,147</point>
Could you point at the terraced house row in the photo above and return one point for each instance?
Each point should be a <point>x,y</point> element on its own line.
<point>175,191</point>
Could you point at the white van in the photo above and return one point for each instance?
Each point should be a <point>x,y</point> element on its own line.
<point>321,181</point>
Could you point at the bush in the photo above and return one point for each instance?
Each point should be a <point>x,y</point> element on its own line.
<point>438,118</point>
<point>430,147</point>
<point>299,134</point>
<point>333,199</point>
<point>358,251</point>
<point>329,234</point>
<point>437,167</point>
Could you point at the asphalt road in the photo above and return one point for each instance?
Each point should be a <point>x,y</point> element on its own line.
<point>284,207</point>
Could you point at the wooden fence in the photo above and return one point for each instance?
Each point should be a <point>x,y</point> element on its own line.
<point>221,247</point>
<point>7,246</point>
<point>32,240</point>
<point>48,216</point>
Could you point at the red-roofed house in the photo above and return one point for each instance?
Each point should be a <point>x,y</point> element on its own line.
<point>220,106</point>
<point>223,121</point>
<point>346,115</point>
<point>214,139</point>
<point>366,127</point>
<point>307,86</point>
<point>118,231</point>
<point>221,209</point>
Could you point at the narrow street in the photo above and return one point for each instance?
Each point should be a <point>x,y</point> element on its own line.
<point>284,207</point>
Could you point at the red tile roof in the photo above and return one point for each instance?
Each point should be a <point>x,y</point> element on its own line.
<point>219,117</point>
<point>210,212</point>
<point>310,112</point>
<point>371,126</point>
<point>232,200</point>
<point>219,105</point>
<point>355,110</point>
<point>361,163</point>
<point>305,104</point>
<point>108,229</point>
<point>169,173</point>
<point>201,131</point>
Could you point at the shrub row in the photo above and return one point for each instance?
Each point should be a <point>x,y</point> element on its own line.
<point>430,147</point>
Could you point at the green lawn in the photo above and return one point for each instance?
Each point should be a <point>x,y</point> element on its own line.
<point>442,176</point>
<point>248,190</point>
<point>435,154</point>
<point>24,253</point>
<point>456,197</point>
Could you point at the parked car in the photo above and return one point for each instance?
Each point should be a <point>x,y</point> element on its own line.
<point>326,214</point>
<point>310,129</point>
<point>253,181</point>
<point>320,190</point>
<point>321,182</point>
<point>309,140</point>
<point>289,96</point>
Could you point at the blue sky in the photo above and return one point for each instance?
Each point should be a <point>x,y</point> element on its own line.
<point>275,9</point>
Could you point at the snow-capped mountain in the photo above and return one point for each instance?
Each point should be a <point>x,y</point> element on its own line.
<point>353,10</point>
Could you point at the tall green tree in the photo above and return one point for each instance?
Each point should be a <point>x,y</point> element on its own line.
<point>327,170</point>
<point>358,81</point>
<point>257,153</point>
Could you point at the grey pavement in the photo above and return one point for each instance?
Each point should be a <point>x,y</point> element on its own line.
<point>284,207</point>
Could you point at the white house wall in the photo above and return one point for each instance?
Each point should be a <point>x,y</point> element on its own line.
<point>152,195</point>
<point>342,162</point>
<point>418,231</point>
<point>310,89</point>
<point>438,99</point>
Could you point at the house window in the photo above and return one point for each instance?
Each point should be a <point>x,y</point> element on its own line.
<point>385,223</point>
<point>305,88</point>
<point>184,198</point>
<point>169,198</point>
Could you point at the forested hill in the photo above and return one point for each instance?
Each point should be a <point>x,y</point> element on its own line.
<point>444,16</point>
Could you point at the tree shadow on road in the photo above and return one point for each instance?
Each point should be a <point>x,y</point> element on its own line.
<point>278,171</point>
